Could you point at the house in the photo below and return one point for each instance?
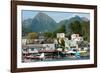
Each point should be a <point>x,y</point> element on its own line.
<point>60,35</point>
<point>49,46</point>
<point>24,41</point>
<point>32,50</point>
<point>84,45</point>
<point>55,41</point>
<point>70,44</point>
<point>67,44</point>
<point>76,37</point>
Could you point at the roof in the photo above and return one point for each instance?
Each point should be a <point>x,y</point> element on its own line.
<point>33,46</point>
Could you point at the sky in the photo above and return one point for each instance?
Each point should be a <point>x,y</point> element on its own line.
<point>57,16</point>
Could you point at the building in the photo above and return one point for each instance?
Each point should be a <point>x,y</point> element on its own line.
<point>60,35</point>
<point>24,41</point>
<point>76,37</point>
<point>49,46</point>
<point>71,44</point>
<point>32,48</point>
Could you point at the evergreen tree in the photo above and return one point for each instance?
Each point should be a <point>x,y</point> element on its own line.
<point>76,27</point>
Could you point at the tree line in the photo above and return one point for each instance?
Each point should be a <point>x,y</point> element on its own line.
<point>81,28</point>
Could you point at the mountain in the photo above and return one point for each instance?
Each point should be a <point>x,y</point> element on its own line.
<point>75,18</point>
<point>85,19</point>
<point>26,24</point>
<point>68,22</point>
<point>42,23</point>
<point>62,22</point>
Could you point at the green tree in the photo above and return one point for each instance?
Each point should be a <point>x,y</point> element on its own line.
<point>76,27</point>
<point>32,35</point>
<point>48,34</point>
<point>62,42</point>
<point>86,31</point>
<point>62,29</point>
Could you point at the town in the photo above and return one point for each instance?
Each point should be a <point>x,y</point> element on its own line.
<point>56,49</point>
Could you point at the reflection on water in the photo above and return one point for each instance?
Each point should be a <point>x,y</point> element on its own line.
<point>64,59</point>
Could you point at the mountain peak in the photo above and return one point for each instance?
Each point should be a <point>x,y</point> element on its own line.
<point>77,17</point>
<point>85,19</point>
<point>41,14</point>
<point>42,22</point>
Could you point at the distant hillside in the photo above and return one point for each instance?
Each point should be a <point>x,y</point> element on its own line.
<point>44,23</point>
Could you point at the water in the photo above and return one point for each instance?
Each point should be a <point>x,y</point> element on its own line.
<point>63,59</point>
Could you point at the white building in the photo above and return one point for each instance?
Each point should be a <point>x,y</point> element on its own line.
<point>55,41</point>
<point>32,51</point>
<point>71,43</point>
<point>49,46</point>
<point>60,35</point>
<point>76,37</point>
<point>24,41</point>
